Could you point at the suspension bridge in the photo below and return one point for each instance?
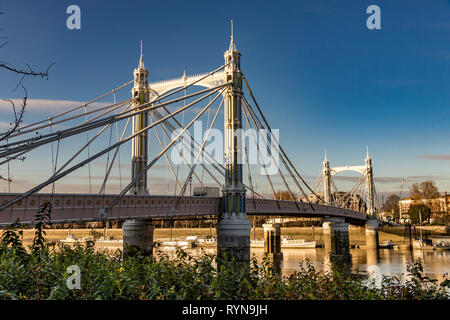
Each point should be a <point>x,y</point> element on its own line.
<point>157,107</point>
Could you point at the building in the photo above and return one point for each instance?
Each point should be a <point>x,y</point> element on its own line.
<point>439,207</point>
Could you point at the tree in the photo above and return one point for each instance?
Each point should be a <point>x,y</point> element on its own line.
<point>415,192</point>
<point>426,190</point>
<point>391,205</point>
<point>417,210</point>
<point>429,190</point>
<point>283,195</point>
<point>18,111</point>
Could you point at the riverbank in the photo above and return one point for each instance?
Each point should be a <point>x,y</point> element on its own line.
<point>357,234</point>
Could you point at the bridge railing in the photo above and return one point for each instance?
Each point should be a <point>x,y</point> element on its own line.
<point>75,208</point>
<point>270,207</point>
<point>84,208</point>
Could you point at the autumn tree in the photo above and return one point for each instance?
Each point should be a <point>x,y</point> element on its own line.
<point>427,192</point>
<point>424,191</point>
<point>283,195</point>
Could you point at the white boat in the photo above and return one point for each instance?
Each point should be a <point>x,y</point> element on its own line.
<point>441,242</point>
<point>209,240</point>
<point>286,242</point>
<point>181,244</point>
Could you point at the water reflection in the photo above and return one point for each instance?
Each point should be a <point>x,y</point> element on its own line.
<point>390,262</point>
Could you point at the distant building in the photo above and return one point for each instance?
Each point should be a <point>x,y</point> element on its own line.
<point>439,207</point>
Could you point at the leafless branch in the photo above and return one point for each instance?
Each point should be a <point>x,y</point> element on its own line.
<point>29,72</point>
<point>18,115</point>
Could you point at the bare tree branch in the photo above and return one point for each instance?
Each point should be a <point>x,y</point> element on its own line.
<point>18,115</point>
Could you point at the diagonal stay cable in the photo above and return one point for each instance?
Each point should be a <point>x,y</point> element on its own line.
<point>178,150</point>
<point>114,157</point>
<point>76,108</point>
<point>196,159</point>
<point>112,106</point>
<point>272,157</point>
<point>166,157</point>
<point>282,156</point>
<point>260,158</point>
<point>62,134</point>
<point>281,148</point>
<point>87,144</point>
<point>82,163</point>
<point>172,129</point>
<point>104,211</point>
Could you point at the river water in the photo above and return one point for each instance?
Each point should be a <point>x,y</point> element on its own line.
<point>391,262</point>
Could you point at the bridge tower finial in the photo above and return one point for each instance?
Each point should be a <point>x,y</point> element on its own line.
<point>141,59</point>
<point>232,44</point>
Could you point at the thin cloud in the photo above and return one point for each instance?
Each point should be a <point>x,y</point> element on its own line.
<point>47,105</point>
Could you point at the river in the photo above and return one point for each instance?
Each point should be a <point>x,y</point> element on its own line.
<point>391,262</point>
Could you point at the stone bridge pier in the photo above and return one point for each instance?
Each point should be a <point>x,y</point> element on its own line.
<point>272,244</point>
<point>336,240</point>
<point>137,237</point>
<point>372,238</point>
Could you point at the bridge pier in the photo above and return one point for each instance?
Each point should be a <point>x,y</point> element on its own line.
<point>272,244</point>
<point>233,237</point>
<point>336,240</point>
<point>372,238</point>
<point>137,237</point>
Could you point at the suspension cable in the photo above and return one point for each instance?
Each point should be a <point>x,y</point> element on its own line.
<point>76,108</point>
<point>267,124</point>
<point>272,157</point>
<point>197,157</point>
<point>98,123</point>
<point>167,158</point>
<point>79,165</point>
<point>103,212</point>
<point>260,158</point>
<point>114,157</point>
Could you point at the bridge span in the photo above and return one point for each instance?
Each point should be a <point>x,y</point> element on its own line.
<point>76,208</point>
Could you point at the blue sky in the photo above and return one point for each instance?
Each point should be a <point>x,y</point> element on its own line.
<point>319,74</point>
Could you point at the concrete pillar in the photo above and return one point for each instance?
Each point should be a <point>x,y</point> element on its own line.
<point>137,237</point>
<point>272,243</point>
<point>336,240</point>
<point>372,241</point>
<point>233,237</point>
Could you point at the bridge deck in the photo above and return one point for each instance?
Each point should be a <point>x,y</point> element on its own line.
<point>73,208</point>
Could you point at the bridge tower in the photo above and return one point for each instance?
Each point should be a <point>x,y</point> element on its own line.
<point>372,237</point>
<point>138,233</point>
<point>327,180</point>
<point>233,228</point>
<point>139,152</point>
<point>370,188</point>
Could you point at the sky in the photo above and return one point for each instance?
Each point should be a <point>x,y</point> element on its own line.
<point>320,75</point>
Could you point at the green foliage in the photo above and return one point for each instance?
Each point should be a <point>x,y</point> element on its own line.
<point>417,210</point>
<point>42,274</point>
